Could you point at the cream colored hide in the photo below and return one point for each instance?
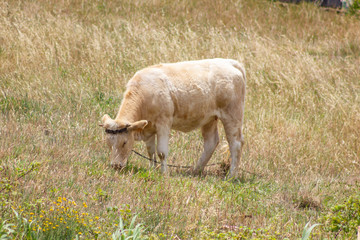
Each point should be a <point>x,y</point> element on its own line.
<point>183,96</point>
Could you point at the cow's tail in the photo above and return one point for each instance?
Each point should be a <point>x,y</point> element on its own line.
<point>241,68</point>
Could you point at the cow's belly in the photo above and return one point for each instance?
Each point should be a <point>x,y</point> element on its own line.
<point>193,107</point>
<point>186,123</point>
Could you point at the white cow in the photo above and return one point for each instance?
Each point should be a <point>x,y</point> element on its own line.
<point>183,96</point>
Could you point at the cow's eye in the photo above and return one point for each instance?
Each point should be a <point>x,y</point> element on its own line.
<point>124,144</point>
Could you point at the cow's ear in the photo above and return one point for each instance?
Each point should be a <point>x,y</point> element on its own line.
<point>106,121</point>
<point>105,118</point>
<point>139,125</point>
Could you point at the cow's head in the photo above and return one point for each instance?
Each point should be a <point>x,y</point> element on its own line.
<point>120,138</point>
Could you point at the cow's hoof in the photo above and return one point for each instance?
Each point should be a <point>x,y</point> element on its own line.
<point>196,172</point>
<point>117,166</point>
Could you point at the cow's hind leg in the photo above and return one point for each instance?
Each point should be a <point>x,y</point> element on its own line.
<point>150,146</point>
<point>235,139</point>
<point>211,140</point>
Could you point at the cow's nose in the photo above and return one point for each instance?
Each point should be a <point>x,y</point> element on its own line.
<point>117,166</point>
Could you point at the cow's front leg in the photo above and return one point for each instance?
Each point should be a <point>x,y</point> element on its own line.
<point>150,146</point>
<point>163,147</point>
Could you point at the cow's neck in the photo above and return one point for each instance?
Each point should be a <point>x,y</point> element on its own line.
<point>130,109</point>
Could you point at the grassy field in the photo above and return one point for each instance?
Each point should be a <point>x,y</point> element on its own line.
<point>64,64</point>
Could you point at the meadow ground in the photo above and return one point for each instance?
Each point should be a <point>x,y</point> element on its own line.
<point>63,64</point>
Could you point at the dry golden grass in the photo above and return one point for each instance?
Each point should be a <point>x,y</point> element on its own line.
<point>63,64</point>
